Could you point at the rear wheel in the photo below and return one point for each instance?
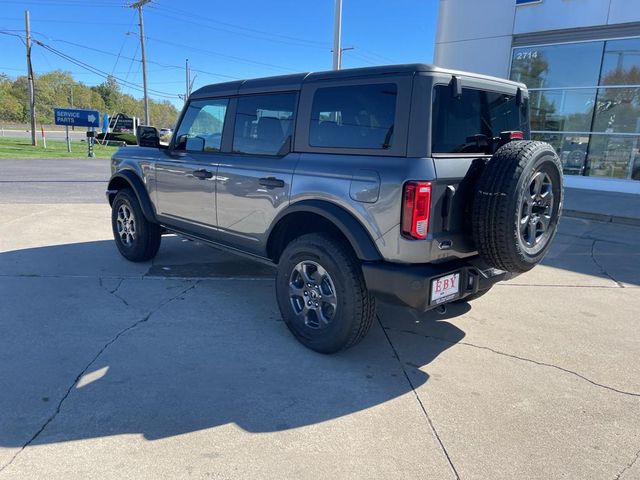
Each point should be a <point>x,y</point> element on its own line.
<point>322,294</point>
<point>137,239</point>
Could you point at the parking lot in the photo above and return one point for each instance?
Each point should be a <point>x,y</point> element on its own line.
<point>183,367</point>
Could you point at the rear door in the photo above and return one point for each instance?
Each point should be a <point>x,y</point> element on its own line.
<point>185,177</point>
<point>254,180</point>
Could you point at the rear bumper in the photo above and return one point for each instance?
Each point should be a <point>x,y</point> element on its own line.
<point>410,285</point>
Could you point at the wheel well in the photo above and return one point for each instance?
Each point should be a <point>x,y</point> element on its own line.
<point>295,225</point>
<point>118,183</point>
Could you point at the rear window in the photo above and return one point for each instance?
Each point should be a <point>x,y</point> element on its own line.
<point>468,124</point>
<point>355,116</point>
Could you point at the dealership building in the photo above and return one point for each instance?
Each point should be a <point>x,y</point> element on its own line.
<point>581,62</point>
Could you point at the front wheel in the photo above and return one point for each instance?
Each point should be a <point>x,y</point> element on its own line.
<point>137,238</point>
<point>322,294</point>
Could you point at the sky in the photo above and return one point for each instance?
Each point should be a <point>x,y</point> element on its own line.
<point>223,40</point>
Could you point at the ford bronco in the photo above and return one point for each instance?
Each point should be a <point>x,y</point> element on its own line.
<point>410,184</point>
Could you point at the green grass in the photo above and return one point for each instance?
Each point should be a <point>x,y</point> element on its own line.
<point>22,148</point>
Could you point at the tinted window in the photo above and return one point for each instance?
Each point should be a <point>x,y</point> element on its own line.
<point>263,123</point>
<point>357,116</point>
<point>467,124</point>
<point>201,126</point>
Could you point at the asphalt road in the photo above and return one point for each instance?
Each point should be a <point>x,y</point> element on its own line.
<point>182,367</point>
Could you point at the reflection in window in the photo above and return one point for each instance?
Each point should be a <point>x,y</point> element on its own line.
<point>201,127</point>
<point>557,110</point>
<point>263,123</point>
<point>618,110</point>
<point>621,62</point>
<point>614,156</point>
<point>355,116</point>
<point>558,66</point>
<point>572,150</point>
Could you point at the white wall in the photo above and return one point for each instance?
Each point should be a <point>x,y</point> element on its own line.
<point>489,56</point>
<point>475,35</point>
<point>623,11</point>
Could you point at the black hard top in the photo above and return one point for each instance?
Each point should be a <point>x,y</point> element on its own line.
<point>294,81</point>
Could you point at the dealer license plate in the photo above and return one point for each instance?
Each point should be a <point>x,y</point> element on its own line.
<point>445,288</point>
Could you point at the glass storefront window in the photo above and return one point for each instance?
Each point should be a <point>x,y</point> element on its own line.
<point>621,62</point>
<point>617,110</point>
<point>572,150</point>
<point>614,156</point>
<point>558,66</point>
<point>585,101</point>
<point>558,110</point>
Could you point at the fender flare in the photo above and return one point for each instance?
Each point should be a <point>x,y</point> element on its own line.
<point>135,183</point>
<point>362,243</point>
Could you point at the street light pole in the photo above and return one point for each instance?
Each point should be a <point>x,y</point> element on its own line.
<point>337,34</point>
<point>139,4</point>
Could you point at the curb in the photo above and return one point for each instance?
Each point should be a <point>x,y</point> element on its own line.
<point>601,217</point>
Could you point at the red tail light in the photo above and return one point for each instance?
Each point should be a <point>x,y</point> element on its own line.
<point>511,135</point>
<point>416,205</point>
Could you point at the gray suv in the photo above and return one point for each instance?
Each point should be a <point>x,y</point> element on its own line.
<point>409,183</point>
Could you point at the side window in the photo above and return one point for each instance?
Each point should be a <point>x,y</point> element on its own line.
<point>263,123</point>
<point>201,126</point>
<point>355,116</point>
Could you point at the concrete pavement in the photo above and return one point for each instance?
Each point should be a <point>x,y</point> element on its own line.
<point>182,367</point>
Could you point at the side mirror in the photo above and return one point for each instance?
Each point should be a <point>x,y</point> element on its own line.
<point>148,136</point>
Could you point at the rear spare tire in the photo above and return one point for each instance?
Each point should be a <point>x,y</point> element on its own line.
<point>517,205</point>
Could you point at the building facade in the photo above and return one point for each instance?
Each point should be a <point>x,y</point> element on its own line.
<point>581,62</point>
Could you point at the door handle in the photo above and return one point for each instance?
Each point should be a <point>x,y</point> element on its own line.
<point>271,182</point>
<point>202,174</point>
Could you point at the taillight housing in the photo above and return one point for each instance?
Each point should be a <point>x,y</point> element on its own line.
<point>511,135</point>
<point>416,206</point>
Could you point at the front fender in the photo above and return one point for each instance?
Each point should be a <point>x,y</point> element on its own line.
<point>129,179</point>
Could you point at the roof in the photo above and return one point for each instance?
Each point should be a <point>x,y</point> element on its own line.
<point>295,81</point>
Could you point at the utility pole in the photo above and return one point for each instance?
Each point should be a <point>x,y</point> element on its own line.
<point>32,102</point>
<point>337,34</point>
<point>139,4</point>
<point>187,90</point>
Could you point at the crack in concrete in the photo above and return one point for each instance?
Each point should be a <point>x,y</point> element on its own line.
<point>114,292</point>
<point>517,357</point>
<point>93,360</point>
<point>603,271</point>
<point>419,400</point>
<point>627,466</point>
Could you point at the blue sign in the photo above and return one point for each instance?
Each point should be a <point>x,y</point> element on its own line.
<point>105,123</point>
<point>523,2</point>
<point>76,117</point>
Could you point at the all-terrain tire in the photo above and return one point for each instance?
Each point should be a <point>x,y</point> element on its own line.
<point>517,205</point>
<point>337,269</point>
<point>137,238</point>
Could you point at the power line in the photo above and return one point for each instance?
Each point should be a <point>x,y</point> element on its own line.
<point>259,36</point>
<point>223,55</point>
<point>185,13</point>
<point>104,52</point>
<point>99,72</point>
